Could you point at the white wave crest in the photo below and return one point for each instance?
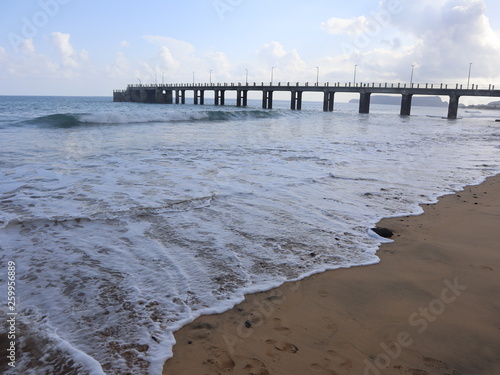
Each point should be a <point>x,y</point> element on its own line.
<point>140,117</point>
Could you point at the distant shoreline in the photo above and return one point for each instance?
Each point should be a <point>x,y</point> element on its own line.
<point>489,107</point>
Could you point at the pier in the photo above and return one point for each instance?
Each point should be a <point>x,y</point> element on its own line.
<point>176,93</point>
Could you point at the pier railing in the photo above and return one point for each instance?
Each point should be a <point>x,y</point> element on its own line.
<point>398,85</point>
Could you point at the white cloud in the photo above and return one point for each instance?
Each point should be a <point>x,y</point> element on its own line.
<point>274,54</point>
<point>440,36</point>
<point>337,26</point>
<point>27,47</point>
<point>69,57</point>
<point>168,61</point>
<point>121,67</point>
<point>272,51</point>
<point>64,47</point>
<point>124,43</point>
<point>176,60</point>
<point>30,72</point>
<point>28,63</point>
<point>179,48</point>
<point>222,68</point>
<point>455,33</point>
<point>288,64</point>
<point>293,62</point>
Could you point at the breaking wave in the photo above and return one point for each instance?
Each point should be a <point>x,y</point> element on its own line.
<point>68,120</point>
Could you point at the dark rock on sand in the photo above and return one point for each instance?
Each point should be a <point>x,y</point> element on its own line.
<point>383,232</point>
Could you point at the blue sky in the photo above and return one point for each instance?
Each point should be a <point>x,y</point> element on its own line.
<point>77,47</point>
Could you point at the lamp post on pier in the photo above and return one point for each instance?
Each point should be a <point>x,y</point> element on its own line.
<point>210,77</point>
<point>272,75</point>
<point>246,76</point>
<point>317,76</point>
<point>411,77</point>
<point>355,68</point>
<point>468,79</point>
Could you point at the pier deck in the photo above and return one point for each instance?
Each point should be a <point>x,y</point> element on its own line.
<point>170,93</point>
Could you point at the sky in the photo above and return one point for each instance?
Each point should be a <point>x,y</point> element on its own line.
<point>90,47</point>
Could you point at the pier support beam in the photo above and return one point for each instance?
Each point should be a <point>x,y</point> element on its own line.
<point>453,107</point>
<point>180,96</point>
<point>241,98</point>
<point>406,104</point>
<point>296,102</point>
<point>219,97</point>
<point>364,102</point>
<point>328,101</point>
<point>199,97</point>
<point>267,99</point>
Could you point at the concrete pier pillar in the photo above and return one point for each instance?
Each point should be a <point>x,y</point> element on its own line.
<point>296,102</point>
<point>241,98</point>
<point>406,104</point>
<point>199,97</point>
<point>245,98</point>
<point>180,96</point>
<point>219,97</point>
<point>364,102</point>
<point>267,99</point>
<point>168,96</point>
<point>328,101</point>
<point>453,107</point>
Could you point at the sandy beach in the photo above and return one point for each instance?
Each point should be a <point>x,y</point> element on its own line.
<point>431,306</point>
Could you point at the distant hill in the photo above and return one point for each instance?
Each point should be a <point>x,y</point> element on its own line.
<point>491,105</point>
<point>423,101</point>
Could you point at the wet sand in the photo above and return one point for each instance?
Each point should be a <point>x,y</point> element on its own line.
<point>431,306</point>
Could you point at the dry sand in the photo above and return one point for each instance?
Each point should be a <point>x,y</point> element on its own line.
<point>431,306</point>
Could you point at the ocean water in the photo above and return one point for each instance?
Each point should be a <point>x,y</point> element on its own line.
<point>126,221</point>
